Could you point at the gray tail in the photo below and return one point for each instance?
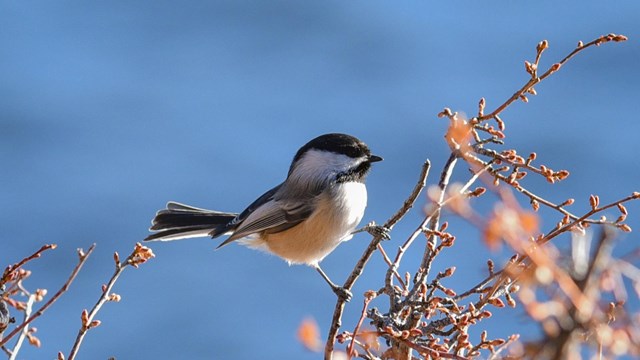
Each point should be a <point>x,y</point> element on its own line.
<point>179,221</point>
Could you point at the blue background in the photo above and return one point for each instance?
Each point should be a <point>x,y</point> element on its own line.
<point>110,109</point>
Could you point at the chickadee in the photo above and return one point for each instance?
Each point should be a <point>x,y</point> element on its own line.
<point>302,220</point>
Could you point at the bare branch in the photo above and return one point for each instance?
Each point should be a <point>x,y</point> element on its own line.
<point>25,329</point>
<point>336,321</point>
<point>82,258</point>
<point>552,69</point>
<point>139,255</point>
<point>10,270</point>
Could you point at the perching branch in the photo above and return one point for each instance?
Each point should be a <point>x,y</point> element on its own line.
<point>336,322</point>
<point>428,317</point>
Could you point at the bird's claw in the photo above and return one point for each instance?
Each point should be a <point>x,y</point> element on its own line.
<point>378,230</point>
<point>343,293</point>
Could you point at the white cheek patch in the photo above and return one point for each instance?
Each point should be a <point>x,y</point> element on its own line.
<point>316,164</point>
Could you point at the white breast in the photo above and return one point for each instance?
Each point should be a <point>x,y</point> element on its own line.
<point>333,221</point>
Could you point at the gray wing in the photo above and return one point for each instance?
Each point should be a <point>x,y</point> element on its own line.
<point>272,214</point>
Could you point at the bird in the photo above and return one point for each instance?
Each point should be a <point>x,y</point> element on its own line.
<point>302,220</point>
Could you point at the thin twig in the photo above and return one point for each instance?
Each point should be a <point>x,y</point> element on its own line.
<point>25,330</point>
<point>553,68</point>
<point>496,354</point>
<point>82,258</point>
<point>445,176</point>
<point>12,268</point>
<point>387,260</point>
<point>367,299</point>
<point>139,255</point>
<point>422,228</point>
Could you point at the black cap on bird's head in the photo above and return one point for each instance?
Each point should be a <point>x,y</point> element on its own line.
<point>341,144</point>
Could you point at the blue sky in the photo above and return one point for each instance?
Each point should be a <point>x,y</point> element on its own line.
<point>108,110</point>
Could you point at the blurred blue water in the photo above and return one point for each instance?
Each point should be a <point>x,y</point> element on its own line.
<point>108,110</point>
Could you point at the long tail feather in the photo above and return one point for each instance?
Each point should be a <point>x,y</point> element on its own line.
<point>179,221</point>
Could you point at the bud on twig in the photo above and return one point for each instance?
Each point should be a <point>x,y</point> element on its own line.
<point>594,201</point>
<point>542,46</point>
<point>555,67</point>
<point>562,174</point>
<point>530,68</point>
<point>477,192</point>
<point>624,227</point>
<point>449,271</point>
<point>567,202</point>
<point>481,105</point>
<point>94,323</point>
<point>535,204</point>
<point>84,318</point>
<point>497,302</point>
<point>622,209</point>
<point>500,122</point>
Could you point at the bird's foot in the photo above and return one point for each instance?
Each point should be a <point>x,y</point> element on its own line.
<point>377,230</point>
<point>342,293</point>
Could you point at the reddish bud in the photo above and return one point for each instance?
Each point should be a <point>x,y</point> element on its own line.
<point>562,174</point>
<point>94,323</point>
<point>449,271</point>
<point>481,105</point>
<point>555,67</point>
<point>499,122</point>
<point>479,191</point>
<point>84,317</point>
<point>449,292</point>
<point>497,342</point>
<point>618,38</point>
<point>496,302</point>
<point>624,227</point>
<point>446,112</point>
<point>622,209</point>
<point>542,46</point>
<point>535,204</point>
<point>594,201</point>
<point>568,202</point>
<point>530,68</point>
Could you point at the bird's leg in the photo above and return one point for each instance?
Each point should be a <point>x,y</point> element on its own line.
<point>375,230</point>
<point>341,292</point>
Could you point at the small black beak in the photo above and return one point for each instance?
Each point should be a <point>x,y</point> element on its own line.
<point>374,158</point>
